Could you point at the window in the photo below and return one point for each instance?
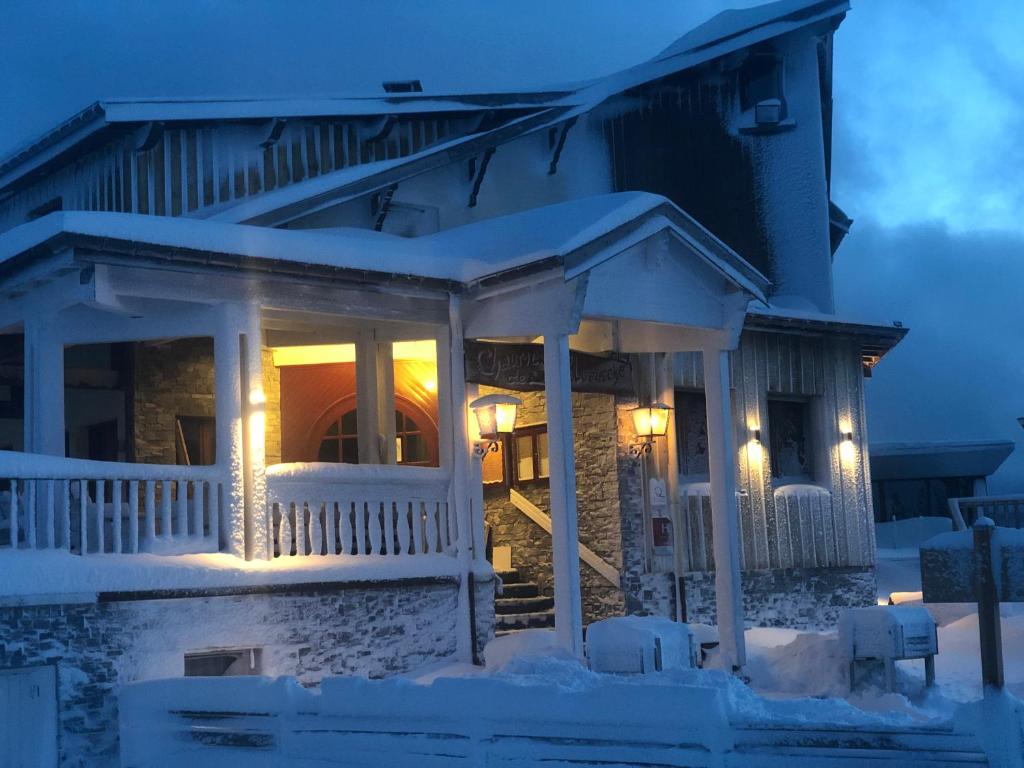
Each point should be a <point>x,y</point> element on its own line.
<point>413,445</point>
<point>224,663</point>
<point>791,446</point>
<point>692,433</point>
<point>530,455</point>
<point>195,440</point>
<point>340,442</point>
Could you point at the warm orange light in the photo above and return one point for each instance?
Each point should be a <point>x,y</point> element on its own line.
<point>430,384</point>
<point>651,420</point>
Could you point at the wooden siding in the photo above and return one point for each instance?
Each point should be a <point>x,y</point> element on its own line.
<point>792,526</point>
<point>191,168</point>
<point>670,138</point>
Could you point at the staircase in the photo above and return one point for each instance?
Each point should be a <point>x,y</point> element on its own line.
<point>521,606</point>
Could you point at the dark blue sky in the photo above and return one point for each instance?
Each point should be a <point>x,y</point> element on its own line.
<point>928,158</point>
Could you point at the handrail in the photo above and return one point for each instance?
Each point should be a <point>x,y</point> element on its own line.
<point>999,506</point>
<point>39,466</point>
<point>609,572</point>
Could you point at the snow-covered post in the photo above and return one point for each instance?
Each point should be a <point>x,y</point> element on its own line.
<point>254,456</point>
<point>228,404</point>
<point>476,490</point>
<point>452,366</point>
<point>44,389</point>
<point>667,396</point>
<point>564,534</point>
<point>724,511</point>
<point>989,624</point>
<point>375,400</point>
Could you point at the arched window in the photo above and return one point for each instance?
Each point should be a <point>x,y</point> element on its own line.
<point>415,438</point>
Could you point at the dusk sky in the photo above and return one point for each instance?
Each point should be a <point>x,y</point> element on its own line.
<point>928,159</point>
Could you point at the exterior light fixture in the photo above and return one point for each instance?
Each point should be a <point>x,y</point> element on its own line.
<point>495,416</point>
<point>649,421</point>
<point>755,434</point>
<point>847,437</point>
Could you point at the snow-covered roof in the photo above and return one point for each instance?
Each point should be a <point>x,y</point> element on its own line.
<point>466,254</point>
<point>726,32</point>
<point>905,461</point>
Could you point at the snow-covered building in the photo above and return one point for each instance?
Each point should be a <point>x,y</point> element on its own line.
<point>241,339</point>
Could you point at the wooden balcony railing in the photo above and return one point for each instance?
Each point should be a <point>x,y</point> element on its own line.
<point>335,509</point>
<point>94,507</point>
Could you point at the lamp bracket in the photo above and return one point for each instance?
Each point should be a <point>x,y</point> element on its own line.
<point>642,448</point>
<point>484,447</point>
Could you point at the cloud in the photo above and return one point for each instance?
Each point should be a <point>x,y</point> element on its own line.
<point>959,373</point>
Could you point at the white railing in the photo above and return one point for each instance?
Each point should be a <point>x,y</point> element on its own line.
<point>1004,511</point>
<point>349,509</point>
<point>93,507</point>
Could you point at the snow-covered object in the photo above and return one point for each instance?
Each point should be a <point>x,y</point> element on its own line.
<point>887,632</point>
<point>501,651</point>
<point>640,644</point>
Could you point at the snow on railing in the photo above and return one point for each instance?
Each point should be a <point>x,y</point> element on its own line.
<point>1005,511</point>
<point>90,507</point>
<point>348,509</point>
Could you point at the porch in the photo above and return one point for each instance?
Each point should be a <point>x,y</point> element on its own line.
<point>627,274</point>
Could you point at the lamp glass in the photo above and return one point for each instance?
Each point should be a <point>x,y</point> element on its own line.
<point>651,420</point>
<point>495,414</point>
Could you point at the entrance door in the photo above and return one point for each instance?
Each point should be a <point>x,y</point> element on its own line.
<point>28,717</point>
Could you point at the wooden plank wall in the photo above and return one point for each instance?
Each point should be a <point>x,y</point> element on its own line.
<point>192,168</point>
<point>777,530</point>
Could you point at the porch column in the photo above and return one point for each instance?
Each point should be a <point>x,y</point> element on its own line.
<point>44,390</point>
<point>228,404</point>
<point>724,510</point>
<point>667,394</point>
<point>257,543</point>
<point>452,386</point>
<point>564,535</point>
<point>375,400</point>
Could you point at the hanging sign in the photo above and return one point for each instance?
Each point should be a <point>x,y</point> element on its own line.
<point>521,367</point>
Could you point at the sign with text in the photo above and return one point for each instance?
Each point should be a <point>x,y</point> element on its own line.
<point>521,367</point>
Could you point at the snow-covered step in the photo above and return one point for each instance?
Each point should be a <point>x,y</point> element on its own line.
<point>537,620</point>
<point>508,605</point>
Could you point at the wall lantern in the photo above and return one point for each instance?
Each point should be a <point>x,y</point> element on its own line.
<point>495,416</point>
<point>649,421</point>
<point>847,437</point>
<point>755,435</point>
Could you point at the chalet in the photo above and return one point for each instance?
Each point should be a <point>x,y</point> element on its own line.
<point>282,378</point>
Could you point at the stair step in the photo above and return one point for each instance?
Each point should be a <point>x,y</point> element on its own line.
<point>509,605</point>
<point>538,620</point>
<point>509,577</point>
<point>522,589</point>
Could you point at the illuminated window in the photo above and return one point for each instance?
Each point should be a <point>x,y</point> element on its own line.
<point>531,462</point>
<point>340,442</point>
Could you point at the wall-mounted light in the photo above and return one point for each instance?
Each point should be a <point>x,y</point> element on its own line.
<point>495,416</point>
<point>755,435</point>
<point>847,437</point>
<point>649,422</point>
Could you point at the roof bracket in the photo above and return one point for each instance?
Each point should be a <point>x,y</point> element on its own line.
<point>382,205</point>
<point>380,130</point>
<point>484,162</point>
<point>273,133</point>
<point>148,136</point>
<point>553,168</point>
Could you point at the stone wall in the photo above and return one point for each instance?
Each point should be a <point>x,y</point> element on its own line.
<point>172,379</point>
<point>799,598</point>
<point>597,499</point>
<point>372,629</point>
<point>177,379</point>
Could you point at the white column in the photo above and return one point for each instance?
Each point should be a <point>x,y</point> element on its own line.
<point>724,510</point>
<point>667,396</point>
<point>375,400</point>
<point>564,536</point>
<point>44,390</point>
<point>230,451</point>
<point>453,361</point>
<point>254,399</point>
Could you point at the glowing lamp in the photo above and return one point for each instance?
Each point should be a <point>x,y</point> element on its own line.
<point>847,437</point>
<point>649,422</point>
<point>495,416</point>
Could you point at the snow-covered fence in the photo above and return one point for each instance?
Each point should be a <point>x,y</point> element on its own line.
<point>361,723</point>
<point>86,507</point>
<point>1004,511</point>
<point>329,509</point>
<point>805,527</point>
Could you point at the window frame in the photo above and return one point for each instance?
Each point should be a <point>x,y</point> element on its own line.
<point>533,431</point>
<point>815,462</point>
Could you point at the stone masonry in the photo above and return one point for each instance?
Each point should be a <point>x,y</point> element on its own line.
<point>371,629</point>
